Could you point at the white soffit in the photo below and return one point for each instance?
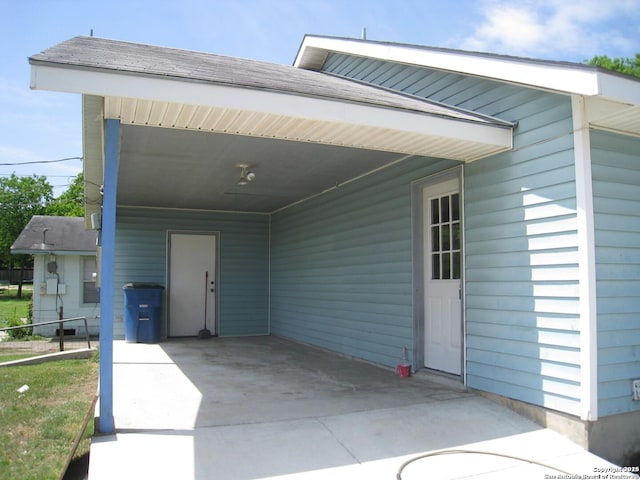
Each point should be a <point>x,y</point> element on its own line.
<point>613,116</point>
<point>166,102</point>
<point>609,113</point>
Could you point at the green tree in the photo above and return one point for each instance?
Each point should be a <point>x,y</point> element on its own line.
<point>20,199</point>
<point>630,66</point>
<point>71,202</point>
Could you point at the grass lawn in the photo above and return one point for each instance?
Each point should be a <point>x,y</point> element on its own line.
<point>13,307</point>
<point>38,427</point>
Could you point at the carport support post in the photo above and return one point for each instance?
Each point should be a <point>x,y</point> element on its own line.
<point>108,240</point>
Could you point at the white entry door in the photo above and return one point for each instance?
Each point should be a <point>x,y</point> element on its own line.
<point>442,257</point>
<point>192,283</point>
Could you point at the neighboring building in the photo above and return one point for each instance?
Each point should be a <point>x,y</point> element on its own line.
<point>64,272</point>
<point>481,211</point>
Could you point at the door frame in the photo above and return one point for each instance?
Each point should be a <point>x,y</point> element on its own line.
<point>418,240</point>
<point>215,328</point>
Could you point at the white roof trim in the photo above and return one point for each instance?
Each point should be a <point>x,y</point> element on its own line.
<point>29,251</point>
<point>619,89</point>
<point>489,138</point>
<point>586,262</point>
<point>557,77</point>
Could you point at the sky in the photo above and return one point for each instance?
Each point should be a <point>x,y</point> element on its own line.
<point>38,126</point>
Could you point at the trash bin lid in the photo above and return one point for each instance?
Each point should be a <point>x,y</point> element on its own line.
<point>142,285</point>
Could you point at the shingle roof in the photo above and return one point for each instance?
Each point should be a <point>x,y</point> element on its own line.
<point>140,59</point>
<point>60,235</point>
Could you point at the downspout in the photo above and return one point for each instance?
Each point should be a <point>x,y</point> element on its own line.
<point>108,239</point>
<point>586,262</point>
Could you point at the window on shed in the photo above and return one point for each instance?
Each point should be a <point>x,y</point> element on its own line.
<point>90,293</point>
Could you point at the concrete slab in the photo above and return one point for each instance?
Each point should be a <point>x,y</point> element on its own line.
<point>80,353</point>
<point>267,408</point>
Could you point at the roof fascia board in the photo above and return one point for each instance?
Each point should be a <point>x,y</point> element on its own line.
<point>555,77</point>
<point>38,251</point>
<point>108,83</point>
<point>619,89</point>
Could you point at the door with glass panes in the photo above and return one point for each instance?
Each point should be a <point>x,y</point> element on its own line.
<point>442,257</point>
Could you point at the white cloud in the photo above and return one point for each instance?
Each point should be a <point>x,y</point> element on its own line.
<point>59,175</point>
<point>575,28</point>
<point>10,154</point>
<point>38,126</point>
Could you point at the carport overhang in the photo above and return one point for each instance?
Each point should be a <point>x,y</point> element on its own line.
<point>161,102</point>
<point>325,131</point>
<point>182,137</point>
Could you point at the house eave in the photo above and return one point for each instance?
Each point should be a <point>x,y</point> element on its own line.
<point>563,77</point>
<point>614,99</point>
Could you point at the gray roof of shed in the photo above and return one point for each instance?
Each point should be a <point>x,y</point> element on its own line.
<point>139,59</point>
<point>59,235</point>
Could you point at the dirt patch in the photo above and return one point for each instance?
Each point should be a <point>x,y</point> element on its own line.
<point>78,468</point>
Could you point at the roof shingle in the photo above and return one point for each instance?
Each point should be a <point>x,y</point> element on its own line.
<point>48,234</point>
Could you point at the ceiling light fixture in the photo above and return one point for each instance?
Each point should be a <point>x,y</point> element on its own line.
<point>245,176</point>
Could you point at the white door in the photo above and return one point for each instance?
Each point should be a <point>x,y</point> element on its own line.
<point>192,283</point>
<point>442,258</point>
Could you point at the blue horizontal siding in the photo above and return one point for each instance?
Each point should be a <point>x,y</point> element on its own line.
<point>341,266</point>
<point>521,275</point>
<point>243,292</point>
<point>522,297</point>
<point>616,189</point>
<point>534,394</point>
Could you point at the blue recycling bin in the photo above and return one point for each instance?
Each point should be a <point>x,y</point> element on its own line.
<point>142,312</point>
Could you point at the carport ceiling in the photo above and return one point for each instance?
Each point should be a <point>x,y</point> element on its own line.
<point>173,168</point>
<point>187,118</point>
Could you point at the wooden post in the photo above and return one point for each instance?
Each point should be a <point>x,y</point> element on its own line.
<point>20,280</point>
<point>61,329</point>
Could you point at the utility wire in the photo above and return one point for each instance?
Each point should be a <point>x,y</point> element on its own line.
<point>27,175</point>
<point>41,161</point>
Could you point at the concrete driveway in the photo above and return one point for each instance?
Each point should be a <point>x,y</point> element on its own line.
<point>266,408</point>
